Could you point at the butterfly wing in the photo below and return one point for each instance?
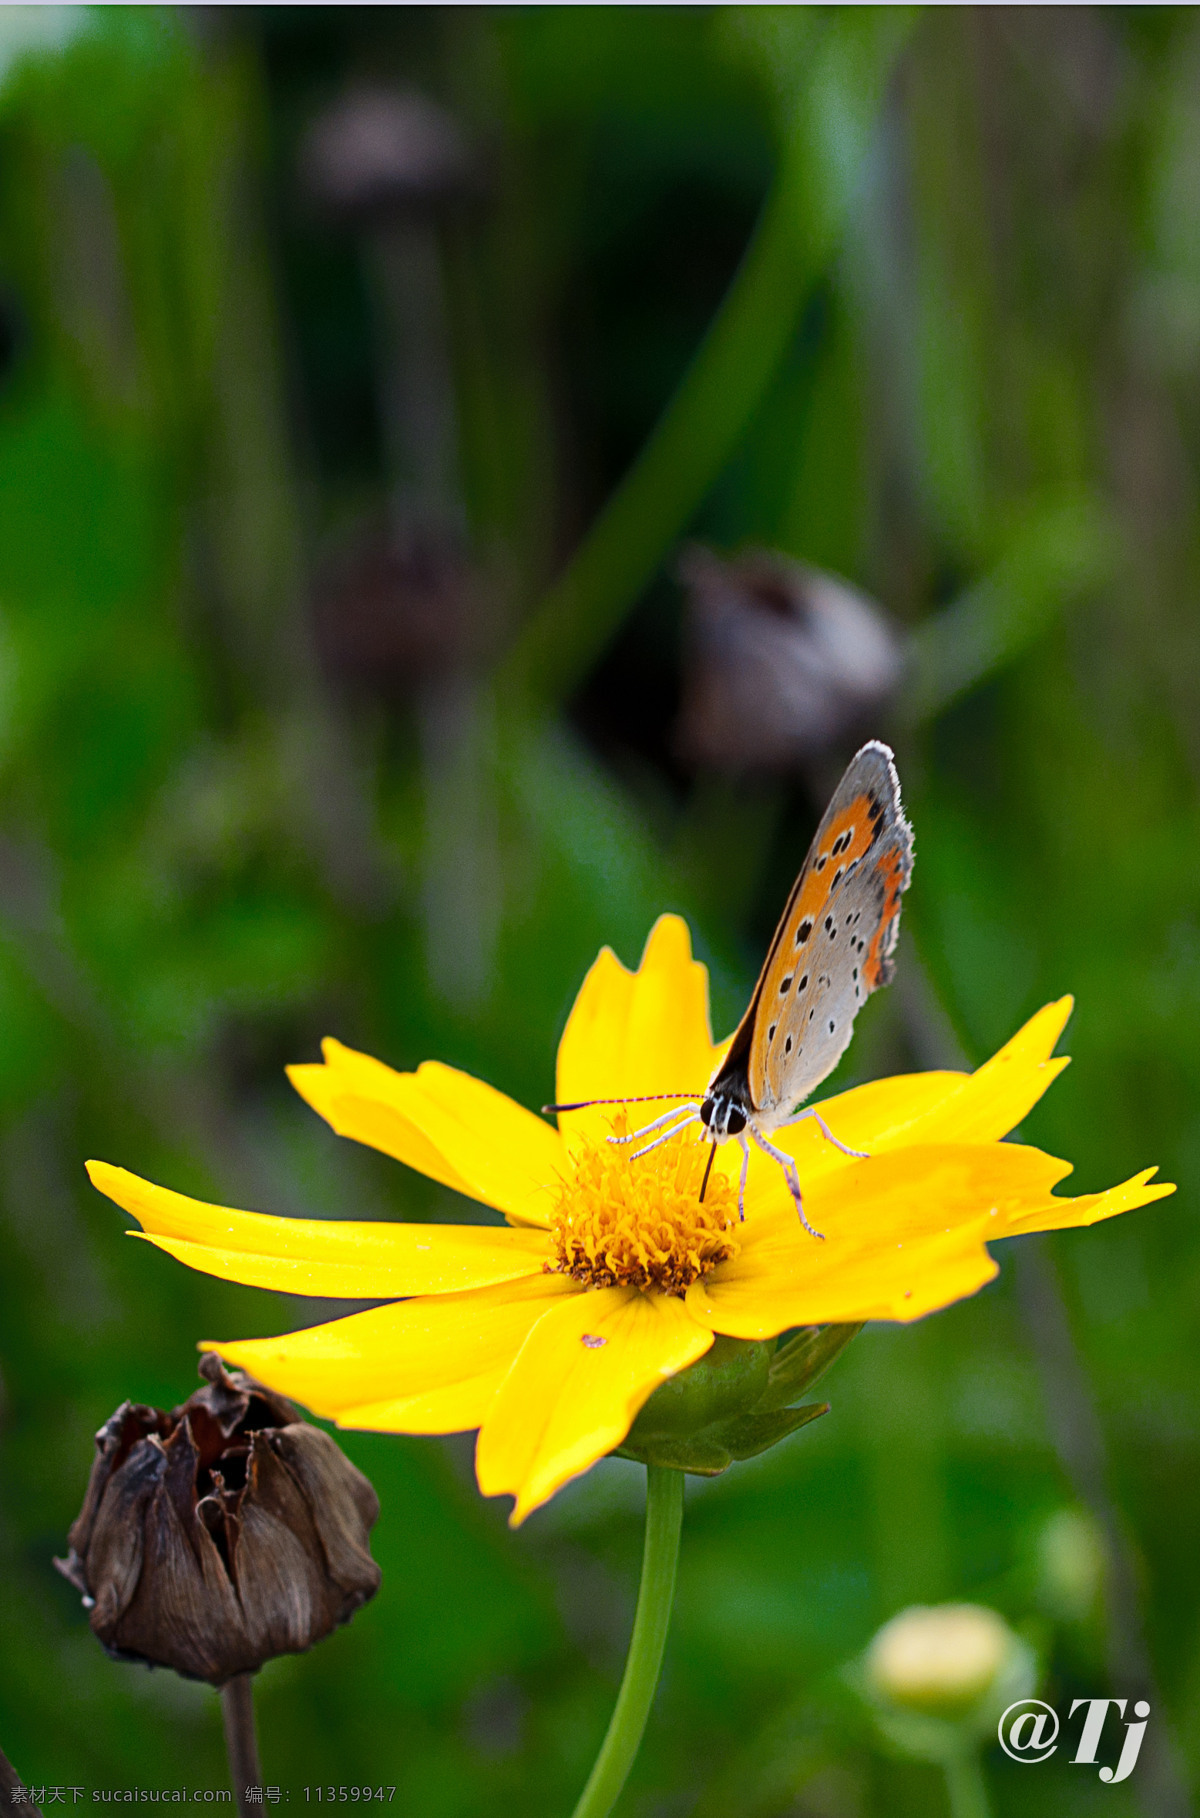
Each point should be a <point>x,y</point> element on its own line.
<point>833,946</point>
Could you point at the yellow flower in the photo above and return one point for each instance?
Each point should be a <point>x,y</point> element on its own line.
<point>550,1335</point>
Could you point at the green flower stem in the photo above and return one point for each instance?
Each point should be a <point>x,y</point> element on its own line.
<point>840,81</point>
<point>965,1784</point>
<point>664,1518</point>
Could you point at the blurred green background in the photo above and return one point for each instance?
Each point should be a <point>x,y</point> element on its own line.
<point>342,654</point>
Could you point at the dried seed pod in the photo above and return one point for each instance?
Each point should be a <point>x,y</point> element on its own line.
<point>393,612</point>
<point>377,154</point>
<point>783,662</point>
<point>220,1534</point>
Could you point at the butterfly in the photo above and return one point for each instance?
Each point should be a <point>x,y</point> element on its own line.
<point>834,946</point>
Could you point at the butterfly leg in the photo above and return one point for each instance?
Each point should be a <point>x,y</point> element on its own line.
<point>665,1137</point>
<point>657,1124</point>
<point>826,1132</point>
<point>790,1175</point>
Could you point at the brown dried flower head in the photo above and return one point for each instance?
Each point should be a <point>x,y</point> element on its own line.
<point>220,1534</point>
<point>783,663</point>
<point>380,154</point>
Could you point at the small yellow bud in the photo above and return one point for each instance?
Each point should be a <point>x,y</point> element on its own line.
<point>941,1661</point>
<point>1072,1565</point>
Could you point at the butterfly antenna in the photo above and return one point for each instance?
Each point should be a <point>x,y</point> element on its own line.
<point>643,1098</point>
<point>707,1171</point>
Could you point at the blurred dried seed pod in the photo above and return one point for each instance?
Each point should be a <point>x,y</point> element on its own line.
<point>395,610</point>
<point>782,663</point>
<point>220,1534</point>
<point>396,170</point>
<point>377,154</point>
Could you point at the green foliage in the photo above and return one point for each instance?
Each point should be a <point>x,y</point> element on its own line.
<point>914,297</point>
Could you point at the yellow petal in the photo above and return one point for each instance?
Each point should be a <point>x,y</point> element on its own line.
<point>1089,1208</point>
<point>442,1122</point>
<point>631,1033</point>
<point>356,1095</point>
<point>360,1261</point>
<point>917,1277</point>
<point>995,1098</point>
<point>429,1365</point>
<point>572,1394</point>
<point>904,1233</point>
<point>983,1106</point>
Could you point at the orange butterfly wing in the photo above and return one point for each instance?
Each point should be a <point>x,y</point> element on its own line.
<point>834,942</point>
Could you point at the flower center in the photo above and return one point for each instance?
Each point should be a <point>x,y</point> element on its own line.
<point>641,1223</point>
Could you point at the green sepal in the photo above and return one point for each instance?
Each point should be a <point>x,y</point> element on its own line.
<point>700,1455</point>
<point>713,1450</point>
<point>734,1402</point>
<point>730,1379</point>
<point>680,1427</point>
<point>801,1362</point>
<point>753,1433</point>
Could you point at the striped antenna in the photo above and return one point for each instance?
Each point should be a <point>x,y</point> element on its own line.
<point>644,1098</point>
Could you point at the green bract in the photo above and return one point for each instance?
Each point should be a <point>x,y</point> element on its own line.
<point>737,1401</point>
